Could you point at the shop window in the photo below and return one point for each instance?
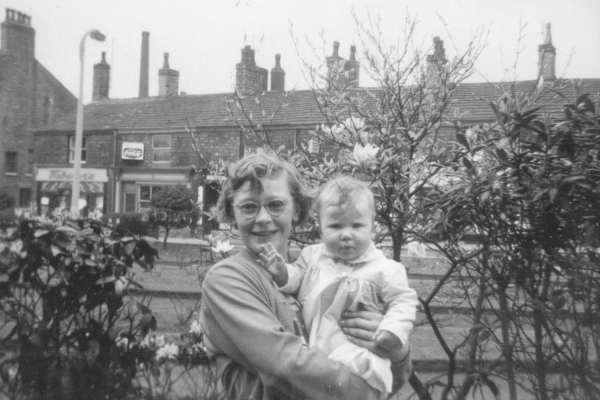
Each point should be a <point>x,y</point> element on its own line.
<point>145,195</point>
<point>10,163</point>
<point>24,197</point>
<point>30,162</point>
<point>161,148</point>
<point>72,150</point>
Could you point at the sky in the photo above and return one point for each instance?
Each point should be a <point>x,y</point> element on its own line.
<point>204,38</point>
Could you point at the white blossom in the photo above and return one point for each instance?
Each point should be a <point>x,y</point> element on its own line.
<point>365,154</point>
<point>169,351</point>
<point>223,247</point>
<point>333,130</point>
<point>160,341</point>
<point>196,328</point>
<point>122,342</point>
<point>354,122</point>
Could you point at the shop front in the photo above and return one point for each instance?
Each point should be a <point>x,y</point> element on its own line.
<point>54,185</point>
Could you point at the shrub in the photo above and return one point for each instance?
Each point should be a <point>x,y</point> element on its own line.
<point>173,207</point>
<point>129,224</point>
<point>74,332</point>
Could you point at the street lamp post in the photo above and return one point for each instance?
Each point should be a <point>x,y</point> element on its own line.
<point>96,35</point>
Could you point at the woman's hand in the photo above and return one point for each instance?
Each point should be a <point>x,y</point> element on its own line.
<point>360,327</point>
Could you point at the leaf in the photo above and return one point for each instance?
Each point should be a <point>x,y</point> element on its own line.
<point>502,155</point>
<point>504,143</point>
<point>105,280</point>
<point>41,232</point>
<point>552,193</point>
<point>467,163</point>
<point>462,140</point>
<point>491,385</point>
<point>539,194</point>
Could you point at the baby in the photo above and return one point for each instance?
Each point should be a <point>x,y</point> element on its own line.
<point>340,273</point>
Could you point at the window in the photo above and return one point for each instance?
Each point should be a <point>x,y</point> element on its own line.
<point>30,162</point>
<point>10,163</point>
<point>72,150</point>
<point>24,197</point>
<point>161,148</point>
<point>145,195</point>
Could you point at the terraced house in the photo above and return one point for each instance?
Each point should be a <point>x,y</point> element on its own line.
<point>30,97</point>
<point>132,147</point>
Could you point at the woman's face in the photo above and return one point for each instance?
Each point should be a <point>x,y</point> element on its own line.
<point>265,227</point>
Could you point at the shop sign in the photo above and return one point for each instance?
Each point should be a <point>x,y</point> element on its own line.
<point>132,151</point>
<point>66,174</point>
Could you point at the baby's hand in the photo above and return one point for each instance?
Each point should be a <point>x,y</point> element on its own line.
<point>274,263</point>
<point>387,340</point>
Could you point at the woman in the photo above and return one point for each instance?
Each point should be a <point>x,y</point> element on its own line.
<point>255,331</point>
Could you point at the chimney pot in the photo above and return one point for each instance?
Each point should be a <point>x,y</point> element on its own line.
<point>101,80</point>
<point>354,66</point>
<point>547,57</point>
<point>336,48</point>
<point>168,79</point>
<point>277,76</point>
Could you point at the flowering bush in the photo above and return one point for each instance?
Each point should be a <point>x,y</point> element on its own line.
<point>63,297</point>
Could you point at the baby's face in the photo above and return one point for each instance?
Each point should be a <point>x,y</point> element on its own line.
<point>346,229</point>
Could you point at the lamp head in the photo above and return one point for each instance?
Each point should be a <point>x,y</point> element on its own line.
<point>96,35</point>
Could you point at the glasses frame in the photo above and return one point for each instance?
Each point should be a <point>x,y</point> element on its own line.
<point>262,205</point>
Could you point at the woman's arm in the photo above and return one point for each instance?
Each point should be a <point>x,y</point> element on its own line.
<point>360,326</point>
<point>241,322</point>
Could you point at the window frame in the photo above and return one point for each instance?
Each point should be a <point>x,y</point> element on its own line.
<point>15,163</point>
<point>72,150</point>
<point>166,150</point>
<point>30,158</point>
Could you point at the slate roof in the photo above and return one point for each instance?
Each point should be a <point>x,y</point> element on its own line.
<point>209,110</point>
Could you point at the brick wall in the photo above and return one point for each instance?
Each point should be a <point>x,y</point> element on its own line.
<point>28,100</point>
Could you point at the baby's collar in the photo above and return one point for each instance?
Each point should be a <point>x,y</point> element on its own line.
<point>367,256</point>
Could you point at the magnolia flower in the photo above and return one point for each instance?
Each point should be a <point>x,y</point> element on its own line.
<point>223,247</point>
<point>354,122</point>
<point>364,155</point>
<point>148,341</point>
<point>169,351</point>
<point>122,342</point>
<point>196,328</point>
<point>16,246</point>
<point>160,341</point>
<point>333,130</point>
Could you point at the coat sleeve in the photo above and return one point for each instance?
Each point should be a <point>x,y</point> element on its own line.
<point>239,305</point>
<point>401,302</point>
<point>296,272</point>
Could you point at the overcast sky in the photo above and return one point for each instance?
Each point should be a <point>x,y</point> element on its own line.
<point>204,37</point>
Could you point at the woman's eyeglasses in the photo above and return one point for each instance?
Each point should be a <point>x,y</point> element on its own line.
<point>274,207</point>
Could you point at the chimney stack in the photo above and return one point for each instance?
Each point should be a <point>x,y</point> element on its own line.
<point>547,57</point>
<point>277,76</point>
<point>18,38</point>
<point>145,65</point>
<point>335,67</point>
<point>168,80</point>
<point>101,79</point>
<point>353,66</point>
<point>435,63</point>
<point>247,74</point>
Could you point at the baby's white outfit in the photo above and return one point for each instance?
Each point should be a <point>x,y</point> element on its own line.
<point>327,286</point>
